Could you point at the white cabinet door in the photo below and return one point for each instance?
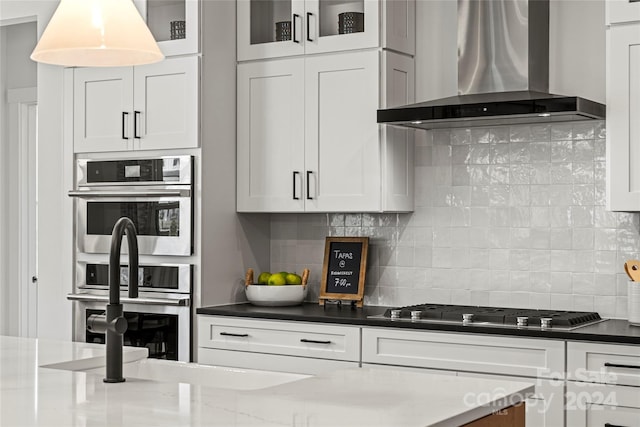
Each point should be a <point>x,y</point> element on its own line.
<point>102,109</point>
<point>333,26</point>
<point>342,155</point>
<point>397,144</point>
<point>619,11</point>
<point>166,113</point>
<point>623,109</point>
<point>270,156</point>
<point>175,24</point>
<point>269,28</point>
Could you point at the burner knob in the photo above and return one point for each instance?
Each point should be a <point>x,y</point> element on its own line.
<point>395,314</point>
<point>522,321</point>
<point>467,318</point>
<point>546,322</point>
<point>416,314</point>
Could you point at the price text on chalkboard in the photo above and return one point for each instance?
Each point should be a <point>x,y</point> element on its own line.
<point>343,273</point>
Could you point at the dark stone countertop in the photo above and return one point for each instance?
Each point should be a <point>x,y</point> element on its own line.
<point>610,331</point>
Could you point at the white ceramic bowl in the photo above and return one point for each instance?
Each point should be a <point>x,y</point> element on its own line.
<point>275,296</point>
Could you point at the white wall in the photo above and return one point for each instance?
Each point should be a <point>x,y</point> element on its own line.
<point>18,72</point>
<point>55,169</point>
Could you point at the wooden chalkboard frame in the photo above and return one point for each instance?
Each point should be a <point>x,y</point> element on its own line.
<point>356,297</point>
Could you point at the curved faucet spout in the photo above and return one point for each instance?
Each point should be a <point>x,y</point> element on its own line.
<point>122,227</point>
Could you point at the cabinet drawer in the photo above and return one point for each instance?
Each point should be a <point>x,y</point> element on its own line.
<point>279,337</point>
<point>603,363</point>
<point>271,362</point>
<point>462,352</point>
<point>622,11</point>
<point>581,395</point>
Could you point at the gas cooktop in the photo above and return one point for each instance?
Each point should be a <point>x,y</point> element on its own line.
<point>491,316</point>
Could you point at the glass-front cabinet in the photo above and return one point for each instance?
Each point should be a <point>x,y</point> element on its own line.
<point>173,23</point>
<point>275,28</point>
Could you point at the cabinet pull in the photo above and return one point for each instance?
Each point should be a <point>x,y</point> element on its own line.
<point>229,334</point>
<point>293,30</point>
<point>295,174</point>
<point>136,118</point>
<point>616,365</point>
<point>308,186</point>
<point>314,341</point>
<point>612,425</point>
<point>125,117</point>
<point>309,39</point>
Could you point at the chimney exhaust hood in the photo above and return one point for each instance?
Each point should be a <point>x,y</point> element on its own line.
<point>503,73</point>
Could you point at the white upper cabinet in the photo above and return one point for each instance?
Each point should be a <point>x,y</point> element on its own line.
<point>623,109</point>
<point>620,11</point>
<point>137,108</point>
<point>308,140</point>
<point>277,28</point>
<point>175,24</point>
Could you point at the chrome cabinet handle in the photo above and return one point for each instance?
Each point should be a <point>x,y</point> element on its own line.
<point>314,341</point>
<point>125,119</point>
<point>229,334</point>
<point>616,365</point>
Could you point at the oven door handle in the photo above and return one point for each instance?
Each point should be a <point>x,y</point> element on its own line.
<point>182,302</point>
<point>127,193</point>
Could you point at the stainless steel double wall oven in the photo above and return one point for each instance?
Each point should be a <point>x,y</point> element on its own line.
<point>156,194</point>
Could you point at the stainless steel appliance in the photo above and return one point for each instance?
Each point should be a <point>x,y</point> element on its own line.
<point>503,73</point>
<point>156,193</point>
<point>491,316</point>
<point>159,319</point>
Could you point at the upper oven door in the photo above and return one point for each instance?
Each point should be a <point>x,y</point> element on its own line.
<point>163,218</point>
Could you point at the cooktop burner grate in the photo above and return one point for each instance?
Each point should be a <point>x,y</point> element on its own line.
<point>496,315</point>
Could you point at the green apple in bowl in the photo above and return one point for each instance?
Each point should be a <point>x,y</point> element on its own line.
<point>263,279</point>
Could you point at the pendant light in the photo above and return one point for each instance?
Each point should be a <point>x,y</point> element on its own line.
<point>96,33</point>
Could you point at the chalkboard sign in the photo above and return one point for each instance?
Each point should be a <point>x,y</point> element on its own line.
<point>344,269</point>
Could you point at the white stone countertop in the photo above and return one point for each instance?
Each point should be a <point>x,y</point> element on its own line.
<point>33,395</point>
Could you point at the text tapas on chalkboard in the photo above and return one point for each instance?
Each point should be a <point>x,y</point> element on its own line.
<point>344,269</point>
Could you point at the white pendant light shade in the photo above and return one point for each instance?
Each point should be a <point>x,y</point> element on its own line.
<point>97,33</point>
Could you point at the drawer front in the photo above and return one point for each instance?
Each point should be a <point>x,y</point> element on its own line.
<point>581,395</point>
<point>462,352</point>
<point>603,363</point>
<point>276,337</point>
<point>271,362</point>
<point>622,11</point>
<point>600,405</point>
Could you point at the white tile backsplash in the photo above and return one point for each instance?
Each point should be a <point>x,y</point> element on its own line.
<point>506,216</point>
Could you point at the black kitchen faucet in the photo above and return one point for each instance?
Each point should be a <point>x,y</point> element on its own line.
<point>113,324</point>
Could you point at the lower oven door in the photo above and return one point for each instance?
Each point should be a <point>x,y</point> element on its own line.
<point>164,329</point>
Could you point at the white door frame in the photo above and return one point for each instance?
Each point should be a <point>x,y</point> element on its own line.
<point>23,111</point>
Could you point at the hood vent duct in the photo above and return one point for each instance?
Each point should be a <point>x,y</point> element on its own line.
<point>503,73</point>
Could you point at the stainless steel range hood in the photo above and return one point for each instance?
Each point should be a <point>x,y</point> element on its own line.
<point>503,73</point>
